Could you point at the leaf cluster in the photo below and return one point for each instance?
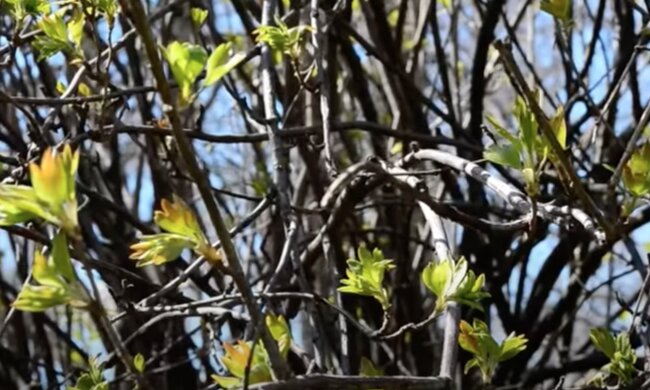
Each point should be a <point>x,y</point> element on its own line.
<point>237,356</point>
<point>56,280</point>
<point>453,281</point>
<point>526,151</point>
<point>620,353</point>
<point>182,231</point>
<point>51,197</point>
<point>187,61</point>
<point>365,276</point>
<point>476,339</point>
<point>283,39</point>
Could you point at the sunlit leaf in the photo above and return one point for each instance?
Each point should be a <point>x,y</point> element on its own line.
<point>54,185</point>
<point>23,8</point>
<point>198,16</point>
<point>559,9</point>
<point>139,362</point>
<point>365,276</point>
<point>487,353</point>
<point>158,249</point>
<point>227,382</point>
<point>280,332</point>
<point>54,38</point>
<point>76,28</point>
<point>186,61</point>
<point>61,257</point>
<point>220,63</point>
<point>176,217</point>
<point>506,155</point>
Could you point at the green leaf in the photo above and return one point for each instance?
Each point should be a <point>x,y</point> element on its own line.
<point>45,273</point>
<point>453,281</point>
<point>139,362</point>
<point>54,38</point>
<point>93,379</point>
<point>281,38</point>
<point>366,275</point>
<point>619,351</point>
<point>186,61</point>
<point>108,8</point>
<point>76,28</point>
<point>500,130</point>
<point>54,185</point>
<point>558,125</point>
<point>19,204</point>
<point>219,63</point>
<point>227,382</point>
<point>40,298</point>
<point>397,148</point>
<point>487,353</point>
<point>471,363</point>
<point>176,217</point>
<point>506,155</point>
<point>199,15</point>
<point>603,341</point>
<point>159,249</point>
<point>436,277</point>
<point>61,257</point>
<point>280,332</point>
<point>559,9</point>
<point>527,125</point>
<point>23,8</point>
<point>511,346</point>
<point>635,172</point>
<point>368,368</point>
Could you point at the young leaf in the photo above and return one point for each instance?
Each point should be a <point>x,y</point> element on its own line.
<point>506,155</point>
<point>139,362</point>
<point>19,204</point>
<point>54,38</point>
<point>54,185</point>
<point>280,332</point>
<point>559,9</point>
<point>368,368</point>
<point>558,125</point>
<point>61,257</point>
<point>76,29</point>
<point>23,8</point>
<point>158,249</point>
<point>91,380</point>
<point>186,61</point>
<point>477,340</point>
<point>635,172</point>
<point>619,351</point>
<point>226,382</point>
<point>184,232</point>
<point>176,217</point>
<point>366,275</point>
<point>527,125</point>
<point>603,341</point>
<point>453,281</point>
<point>198,16</point>
<point>220,63</point>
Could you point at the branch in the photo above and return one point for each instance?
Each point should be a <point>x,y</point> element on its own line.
<point>339,382</point>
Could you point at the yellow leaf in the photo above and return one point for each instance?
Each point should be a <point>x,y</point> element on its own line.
<point>54,185</point>
<point>176,217</point>
<point>236,357</point>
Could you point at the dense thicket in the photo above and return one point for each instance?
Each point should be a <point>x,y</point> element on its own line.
<point>494,134</point>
